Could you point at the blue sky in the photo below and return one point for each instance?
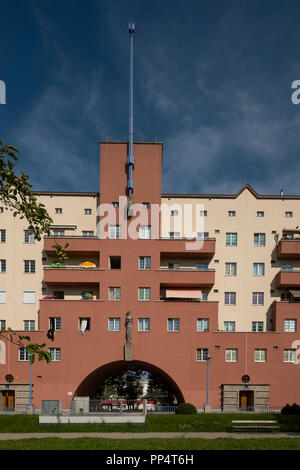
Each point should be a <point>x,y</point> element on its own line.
<point>212,81</point>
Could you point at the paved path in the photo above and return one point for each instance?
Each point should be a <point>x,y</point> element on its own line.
<point>147,435</point>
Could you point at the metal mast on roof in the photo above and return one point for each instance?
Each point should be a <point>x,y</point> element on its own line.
<point>130,157</point>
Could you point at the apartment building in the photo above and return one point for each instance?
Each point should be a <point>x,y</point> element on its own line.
<point>204,279</point>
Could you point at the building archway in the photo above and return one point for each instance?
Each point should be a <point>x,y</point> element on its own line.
<point>91,383</point>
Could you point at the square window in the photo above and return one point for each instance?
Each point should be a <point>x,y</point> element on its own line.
<point>144,294</point>
<point>260,355</point>
<point>203,213</point>
<point>3,265</point>
<point>55,354</point>
<point>260,214</point>
<point>259,239</point>
<point>28,236</point>
<point>87,211</point>
<point>289,355</point>
<point>231,239</point>
<point>230,269</point>
<point>144,324</point>
<point>288,214</point>
<point>230,298</point>
<point>174,234</point>
<point>114,324</point>
<point>115,262</point>
<point>202,324</point>
<point>29,297</point>
<point>145,232</point>
<point>114,231</point>
<point>258,269</point>
<point>174,212</point>
<point>229,325</point>
<point>84,324</point>
<point>290,325</point>
<point>87,233</point>
<point>114,293</point>
<point>202,235</point>
<point>231,213</point>
<point>201,354</point>
<point>2,325</point>
<point>144,263</point>
<point>29,325</point>
<point>29,266</point>
<point>2,236</point>
<point>55,323</point>
<point>23,355</point>
<point>257,326</point>
<point>231,355</point>
<point>58,210</point>
<point>257,298</point>
<point>173,324</point>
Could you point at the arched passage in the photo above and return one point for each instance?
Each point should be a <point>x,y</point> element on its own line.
<point>91,383</point>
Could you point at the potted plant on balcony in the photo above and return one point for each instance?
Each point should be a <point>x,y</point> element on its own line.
<point>61,255</point>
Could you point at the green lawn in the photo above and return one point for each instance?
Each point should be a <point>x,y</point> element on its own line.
<point>209,422</point>
<point>151,444</point>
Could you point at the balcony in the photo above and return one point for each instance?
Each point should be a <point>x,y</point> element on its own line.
<point>72,276</point>
<point>189,277</point>
<point>187,247</point>
<point>288,248</point>
<point>288,278</point>
<point>80,246</point>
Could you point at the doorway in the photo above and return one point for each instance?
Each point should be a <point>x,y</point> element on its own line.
<point>8,400</point>
<point>246,399</point>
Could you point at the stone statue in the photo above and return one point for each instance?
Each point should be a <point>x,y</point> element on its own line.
<point>128,324</point>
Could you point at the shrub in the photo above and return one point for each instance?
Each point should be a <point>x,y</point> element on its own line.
<point>186,409</point>
<point>293,409</point>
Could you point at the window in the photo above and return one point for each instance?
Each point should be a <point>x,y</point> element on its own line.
<point>55,354</point>
<point>115,262</point>
<point>29,297</point>
<point>286,267</point>
<point>202,266</point>
<point>1,210</point>
<point>2,296</point>
<point>23,355</point>
<point>231,213</point>
<point>173,266</point>
<point>288,214</point>
<point>58,233</point>
<point>145,232</point>
<point>144,263</point>
<point>55,323</point>
<point>144,324</point>
<point>2,236</point>
<point>114,231</point>
<point>231,239</point>
<point>2,265</point>
<point>59,294</point>
<point>231,355</point>
<point>257,326</point>
<point>259,239</point>
<point>2,325</point>
<point>202,235</point>
<point>174,212</point>
<point>28,236</point>
<point>87,233</point>
<point>260,214</point>
<point>173,324</point>
<point>114,324</point>
<point>174,234</point>
<point>29,266</point>
<point>230,298</point>
<point>260,355</point>
<point>258,269</point>
<point>84,324</point>
<point>257,298</point>
<point>289,355</point>
<point>144,294</point>
<point>202,324</point>
<point>115,204</point>
<point>229,325</point>
<point>203,213</point>
<point>204,296</point>
<point>230,269</point>
<point>201,354</point>
<point>58,210</point>
<point>29,325</point>
<point>290,325</point>
<point>145,205</point>
<point>114,293</point>
<point>87,211</point>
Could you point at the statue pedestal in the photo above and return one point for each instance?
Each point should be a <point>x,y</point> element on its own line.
<point>128,351</point>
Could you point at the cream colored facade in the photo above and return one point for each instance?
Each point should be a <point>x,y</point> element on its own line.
<point>279,213</point>
<point>14,282</point>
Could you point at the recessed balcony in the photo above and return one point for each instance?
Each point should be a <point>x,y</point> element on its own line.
<point>80,246</point>
<point>72,276</point>
<point>189,277</point>
<point>187,247</point>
